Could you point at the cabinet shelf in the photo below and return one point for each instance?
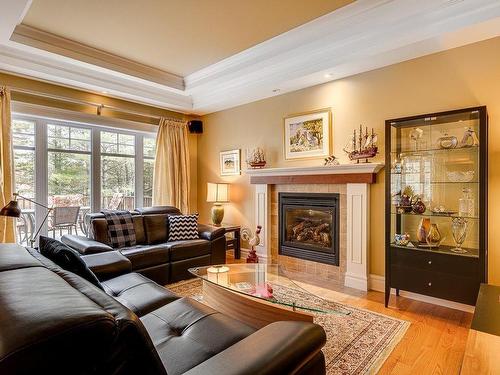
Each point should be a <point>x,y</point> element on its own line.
<point>443,249</point>
<point>434,215</point>
<point>431,151</point>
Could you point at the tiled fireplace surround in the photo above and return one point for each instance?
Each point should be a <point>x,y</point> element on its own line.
<point>352,183</point>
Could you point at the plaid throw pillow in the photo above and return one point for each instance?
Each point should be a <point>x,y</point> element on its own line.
<point>120,228</point>
<point>183,227</point>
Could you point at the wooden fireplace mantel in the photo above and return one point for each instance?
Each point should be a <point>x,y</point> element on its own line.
<point>363,173</point>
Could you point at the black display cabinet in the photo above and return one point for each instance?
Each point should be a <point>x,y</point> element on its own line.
<point>436,204</point>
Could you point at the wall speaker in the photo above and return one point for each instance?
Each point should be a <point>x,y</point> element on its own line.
<point>195,126</point>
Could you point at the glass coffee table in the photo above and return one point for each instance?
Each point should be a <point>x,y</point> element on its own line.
<point>259,294</point>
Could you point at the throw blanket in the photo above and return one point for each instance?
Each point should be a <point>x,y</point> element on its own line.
<point>120,228</point>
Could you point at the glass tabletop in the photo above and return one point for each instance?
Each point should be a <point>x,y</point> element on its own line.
<point>268,282</point>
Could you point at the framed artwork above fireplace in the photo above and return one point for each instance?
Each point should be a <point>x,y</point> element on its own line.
<point>307,135</point>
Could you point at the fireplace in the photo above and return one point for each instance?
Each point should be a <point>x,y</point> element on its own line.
<point>309,226</point>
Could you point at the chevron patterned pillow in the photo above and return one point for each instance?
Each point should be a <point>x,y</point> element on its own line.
<point>183,227</point>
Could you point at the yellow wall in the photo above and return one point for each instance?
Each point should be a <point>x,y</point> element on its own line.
<point>458,78</point>
<point>14,82</point>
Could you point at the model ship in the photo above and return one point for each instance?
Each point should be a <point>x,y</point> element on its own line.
<point>256,158</point>
<point>362,146</point>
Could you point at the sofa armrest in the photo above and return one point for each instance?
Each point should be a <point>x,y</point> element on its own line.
<point>209,232</point>
<point>85,245</point>
<point>108,264</point>
<point>278,348</point>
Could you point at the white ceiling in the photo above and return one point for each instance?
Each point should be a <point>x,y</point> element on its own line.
<point>361,36</point>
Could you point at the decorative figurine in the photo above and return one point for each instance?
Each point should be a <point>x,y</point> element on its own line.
<point>417,205</point>
<point>362,147</point>
<point>331,160</point>
<point>256,158</point>
<point>252,241</point>
<point>469,139</point>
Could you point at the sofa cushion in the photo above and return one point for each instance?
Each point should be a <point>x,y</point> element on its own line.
<point>138,293</point>
<point>155,228</point>
<point>143,256</point>
<point>186,333</point>
<point>121,229</point>
<point>182,227</point>
<point>99,228</point>
<point>180,250</point>
<point>67,258</point>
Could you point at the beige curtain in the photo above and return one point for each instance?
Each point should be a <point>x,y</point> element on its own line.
<point>171,183</point>
<point>7,233</point>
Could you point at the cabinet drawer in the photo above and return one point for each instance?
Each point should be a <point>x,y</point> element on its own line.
<point>462,289</point>
<point>427,260</point>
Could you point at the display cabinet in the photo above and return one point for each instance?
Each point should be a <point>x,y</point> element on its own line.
<point>436,204</point>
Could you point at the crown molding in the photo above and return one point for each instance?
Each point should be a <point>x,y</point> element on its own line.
<point>356,38</point>
<point>362,36</point>
<point>42,65</point>
<point>43,40</point>
<point>12,13</point>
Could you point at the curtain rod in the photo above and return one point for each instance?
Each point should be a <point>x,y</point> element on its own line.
<point>99,106</point>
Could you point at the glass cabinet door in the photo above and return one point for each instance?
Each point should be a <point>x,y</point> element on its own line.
<point>435,176</point>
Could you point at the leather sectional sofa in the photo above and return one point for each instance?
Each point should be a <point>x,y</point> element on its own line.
<point>55,322</point>
<point>153,256</point>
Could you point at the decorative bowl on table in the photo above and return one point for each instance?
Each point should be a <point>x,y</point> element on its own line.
<point>402,239</point>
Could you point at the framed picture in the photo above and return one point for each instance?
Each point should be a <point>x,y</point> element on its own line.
<point>230,163</point>
<point>307,135</point>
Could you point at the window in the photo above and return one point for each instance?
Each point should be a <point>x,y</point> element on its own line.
<point>66,164</point>
<point>23,141</point>
<point>149,146</point>
<point>69,166</point>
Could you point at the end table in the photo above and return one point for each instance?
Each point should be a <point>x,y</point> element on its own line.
<point>234,242</point>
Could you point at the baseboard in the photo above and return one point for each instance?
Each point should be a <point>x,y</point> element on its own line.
<point>356,282</point>
<point>377,283</point>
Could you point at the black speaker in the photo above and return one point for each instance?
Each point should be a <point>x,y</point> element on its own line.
<point>195,126</point>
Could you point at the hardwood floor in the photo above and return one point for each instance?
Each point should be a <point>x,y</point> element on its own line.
<point>435,341</point>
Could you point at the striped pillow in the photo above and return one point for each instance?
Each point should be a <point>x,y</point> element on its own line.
<point>182,227</point>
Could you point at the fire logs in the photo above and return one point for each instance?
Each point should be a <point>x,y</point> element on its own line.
<point>307,231</point>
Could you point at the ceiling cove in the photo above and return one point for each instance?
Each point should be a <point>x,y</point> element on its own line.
<point>361,36</point>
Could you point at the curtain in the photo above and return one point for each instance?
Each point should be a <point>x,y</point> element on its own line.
<point>7,233</point>
<point>171,185</point>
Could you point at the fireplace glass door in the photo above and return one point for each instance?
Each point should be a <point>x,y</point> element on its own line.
<point>309,225</point>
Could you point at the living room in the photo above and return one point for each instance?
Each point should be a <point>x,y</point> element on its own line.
<point>309,187</point>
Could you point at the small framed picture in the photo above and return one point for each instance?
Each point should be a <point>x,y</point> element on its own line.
<point>230,163</point>
<point>307,135</point>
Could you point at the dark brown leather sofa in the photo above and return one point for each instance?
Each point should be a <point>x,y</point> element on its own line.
<point>55,322</point>
<point>153,256</point>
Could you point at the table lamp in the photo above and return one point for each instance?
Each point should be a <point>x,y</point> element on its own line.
<point>12,210</point>
<point>217,194</point>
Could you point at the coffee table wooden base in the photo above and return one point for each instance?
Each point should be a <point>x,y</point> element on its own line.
<point>252,311</point>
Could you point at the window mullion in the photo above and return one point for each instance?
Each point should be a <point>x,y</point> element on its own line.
<point>41,173</point>
<point>139,171</point>
<point>96,170</point>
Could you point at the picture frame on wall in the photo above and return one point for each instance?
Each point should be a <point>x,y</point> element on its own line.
<point>307,135</point>
<point>230,163</point>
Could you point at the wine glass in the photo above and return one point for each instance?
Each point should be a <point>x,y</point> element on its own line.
<point>459,226</point>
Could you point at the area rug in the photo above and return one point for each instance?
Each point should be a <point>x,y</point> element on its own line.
<point>357,343</point>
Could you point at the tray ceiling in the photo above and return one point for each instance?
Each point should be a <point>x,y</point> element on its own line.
<point>176,36</point>
<point>202,56</point>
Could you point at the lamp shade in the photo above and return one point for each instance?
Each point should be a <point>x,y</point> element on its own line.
<point>11,209</point>
<point>218,193</point>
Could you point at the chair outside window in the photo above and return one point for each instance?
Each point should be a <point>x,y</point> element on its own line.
<point>64,218</point>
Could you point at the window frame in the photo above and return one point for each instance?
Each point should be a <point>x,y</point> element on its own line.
<point>41,159</point>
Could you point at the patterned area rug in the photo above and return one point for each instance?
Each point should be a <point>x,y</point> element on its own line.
<point>357,343</point>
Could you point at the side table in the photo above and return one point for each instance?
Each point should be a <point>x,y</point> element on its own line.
<point>233,243</point>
